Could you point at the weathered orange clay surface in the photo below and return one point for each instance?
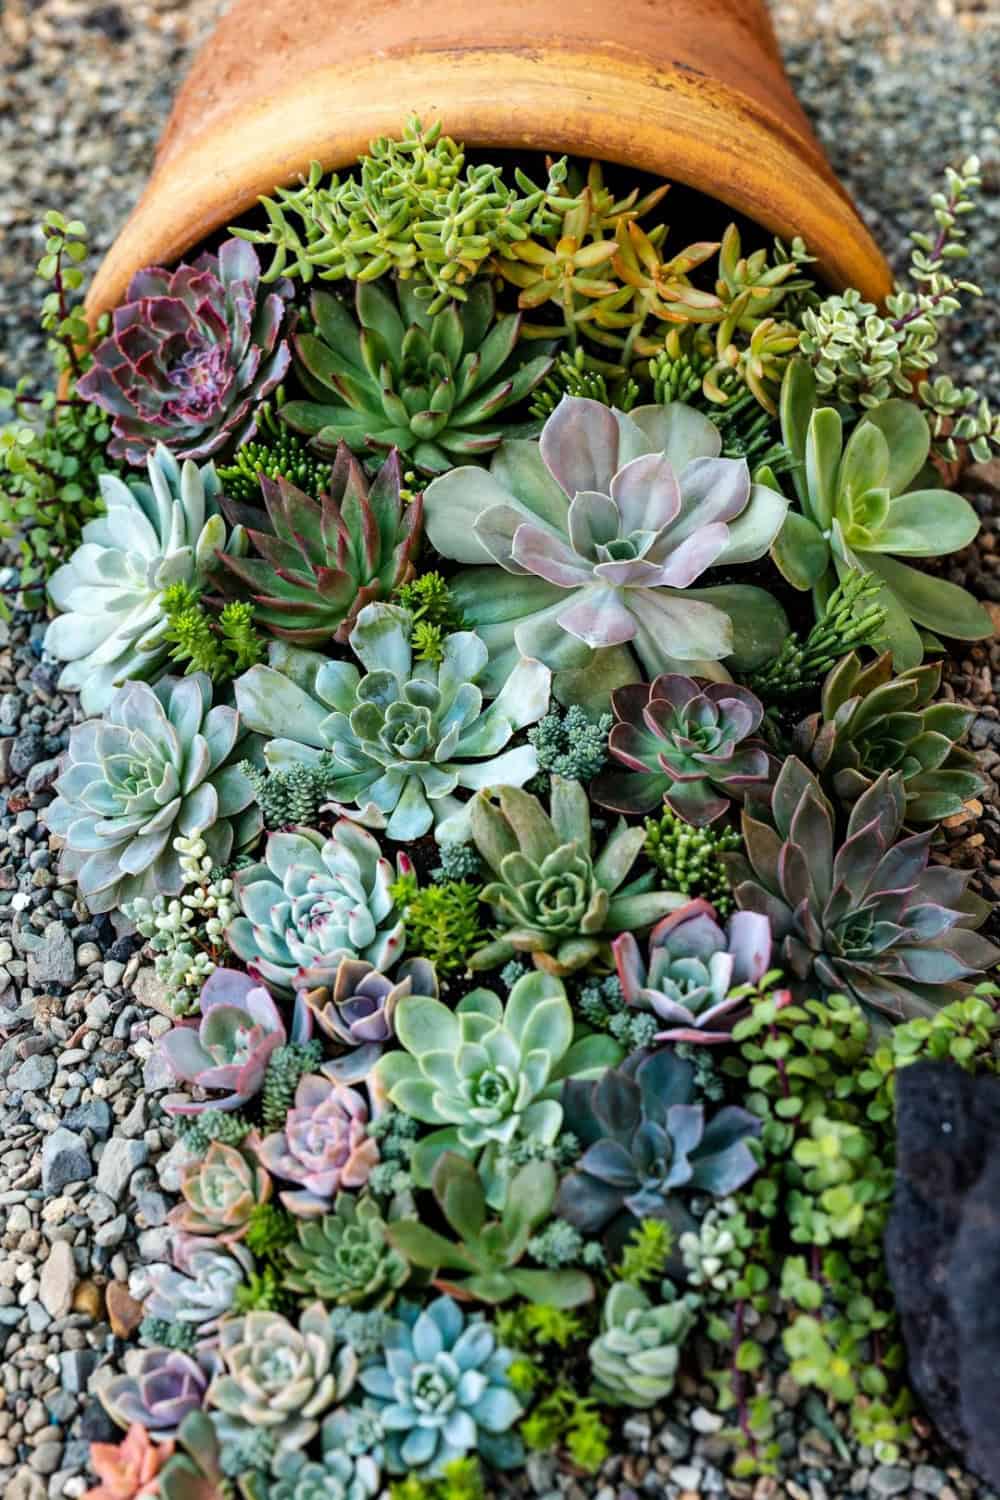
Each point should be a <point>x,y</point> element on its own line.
<point>691,90</point>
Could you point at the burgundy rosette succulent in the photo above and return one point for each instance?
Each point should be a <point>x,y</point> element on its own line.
<point>324,1146</point>
<point>191,354</point>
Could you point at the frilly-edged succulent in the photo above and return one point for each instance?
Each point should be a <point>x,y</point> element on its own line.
<point>865,916</point>
<point>191,354</point>
<point>871,721</point>
<point>313,902</point>
<point>636,1354</point>
<point>857,512</point>
<point>441,1391</point>
<point>279,1377</point>
<point>158,1390</point>
<point>336,1476</point>
<point>486,1073</point>
<point>356,1010</point>
<point>552,896</point>
<point>685,743</point>
<point>321,561</point>
<point>111,625</point>
<point>599,529</point>
<point>220,1192</point>
<point>693,968</point>
<point>199,1289</point>
<point>231,1046</point>
<point>488,1254</point>
<point>161,764</point>
<point>432,384</point>
<point>346,1257</point>
<point>127,1470</point>
<point>645,1139</point>
<point>406,735</point>
<point>324,1146</point>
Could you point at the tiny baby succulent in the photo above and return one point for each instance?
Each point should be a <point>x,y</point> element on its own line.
<point>634,1358</point>
<point>312,902</point>
<point>199,1289</point>
<point>487,1074</point>
<point>870,721</point>
<point>324,1146</point>
<point>220,1192</point>
<point>857,512</point>
<point>693,969</point>
<point>435,385</point>
<point>336,1476</point>
<point>190,355</point>
<point>280,1377</point>
<point>598,531</point>
<point>552,895</point>
<point>161,763</point>
<point>356,1009</point>
<point>111,625</point>
<point>321,561</point>
<point>645,1139</point>
<point>346,1256</point>
<point>229,1048</point>
<point>482,1264</point>
<point>128,1470</point>
<point>689,744</point>
<point>407,734</point>
<point>864,916</point>
<point>441,1390</point>
<point>158,1390</point>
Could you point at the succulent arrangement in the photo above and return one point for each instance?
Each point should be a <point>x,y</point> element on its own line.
<point>541,848</point>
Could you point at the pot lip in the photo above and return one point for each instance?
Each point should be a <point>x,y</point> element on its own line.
<point>679,125</point>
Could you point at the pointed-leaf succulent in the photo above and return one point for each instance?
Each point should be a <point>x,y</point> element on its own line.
<point>551,895</point>
<point>323,1147</point>
<point>866,915</point>
<point>321,561</point>
<point>347,1256</point>
<point>356,1010</point>
<point>406,734</point>
<point>229,1048</point>
<point>220,1192</point>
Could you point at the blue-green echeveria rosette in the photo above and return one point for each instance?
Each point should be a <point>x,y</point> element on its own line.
<point>111,626</point>
<point>405,735</point>
<point>161,764</point>
<point>311,902</point>
<point>597,532</point>
<point>442,1391</point>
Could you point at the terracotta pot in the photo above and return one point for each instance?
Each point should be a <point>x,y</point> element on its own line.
<point>690,90</point>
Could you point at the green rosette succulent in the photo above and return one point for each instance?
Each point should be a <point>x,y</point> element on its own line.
<point>487,1254</point>
<point>551,895</point>
<point>346,1256</point>
<point>596,533</point>
<point>161,764</point>
<point>858,513</point>
<point>435,385</point>
<point>634,1359</point>
<point>864,916</point>
<point>111,626</point>
<point>870,721</point>
<point>312,902</point>
<point>406,734</point>
<point>321,561</point>
<point>337,1476</point>
<point>220,1192</point>
<point>487,1074</point>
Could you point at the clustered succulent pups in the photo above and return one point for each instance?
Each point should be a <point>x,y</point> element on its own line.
<point>532,961</point>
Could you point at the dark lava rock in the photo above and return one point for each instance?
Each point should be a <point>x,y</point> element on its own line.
<point>943,1251</point>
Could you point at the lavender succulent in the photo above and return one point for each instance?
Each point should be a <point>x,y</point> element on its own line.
<point>357,1008</point>
<point>598,532</point>
<point>689,744</point>
<point>229,1048</point>
<point>158,1390</point>
<point>866,915</point>
<point>191,355</point>
<point>324,1146</point>
<point>199,1289</point>
<point>693,968</point>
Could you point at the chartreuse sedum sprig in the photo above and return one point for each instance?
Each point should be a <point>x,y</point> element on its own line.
<point>222,645</point>
<point>852,619</point>
<point>690,859</point>
<point>577,374</point>
<point>443,921</point>
<point>276,452</point>
<point>434,614</point>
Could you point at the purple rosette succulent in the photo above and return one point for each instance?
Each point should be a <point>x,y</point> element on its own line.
<point>692,970</point>
<point>324,1147</point>
<point>685,742</point>
<point>159,1389</point>
<point>230,1047</point>
<point>191,354</point>
<point>357,1011</point>
<point>199,1288</point>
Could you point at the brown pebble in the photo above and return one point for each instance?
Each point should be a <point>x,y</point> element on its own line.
<point>88,1299</point>
<point>124,1312</point>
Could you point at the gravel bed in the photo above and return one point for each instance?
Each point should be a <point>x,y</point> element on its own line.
<point>86,1164</point>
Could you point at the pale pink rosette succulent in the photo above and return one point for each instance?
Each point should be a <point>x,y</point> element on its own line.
<point>324,1147</point>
